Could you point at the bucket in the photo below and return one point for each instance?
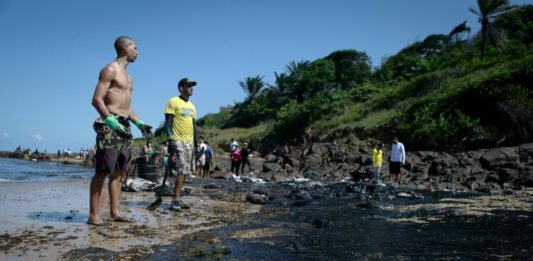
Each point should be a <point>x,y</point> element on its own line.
<point>148,172</point>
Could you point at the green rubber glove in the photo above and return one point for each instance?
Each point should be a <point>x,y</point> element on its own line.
<point>113,123</point>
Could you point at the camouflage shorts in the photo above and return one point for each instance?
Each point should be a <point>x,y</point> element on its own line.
<point>108,139</point>
<point>182,161</point>
<point>112,151</point>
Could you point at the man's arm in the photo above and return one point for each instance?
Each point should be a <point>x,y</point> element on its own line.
<point>133,116</point>
<point>168,124</point>
<point>146,129</point>
<point>104,82</point>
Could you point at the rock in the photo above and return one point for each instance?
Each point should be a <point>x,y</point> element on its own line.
<point>440,166</point>
<point>368,204</point>
<point>212,186</point>
<point>525,152</point>
<point>222,175</point>
<point>255,198</point>
<point>270,158</point>
<point>263,191</point>
<point>300,195</point>
<point>319,223</point>
<point>499,156</point>
<point>266,176</point>
<point>312,161</point>
<point>271,167</point>
<point>366,160</point>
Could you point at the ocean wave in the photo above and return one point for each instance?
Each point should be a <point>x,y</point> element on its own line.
<point>2,180</point>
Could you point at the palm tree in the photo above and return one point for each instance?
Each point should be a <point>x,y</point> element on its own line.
<point>458,30</point>
<point>252,86</point>
<point>488,10</point>
<point>281,85</point>
<point>295,68</point>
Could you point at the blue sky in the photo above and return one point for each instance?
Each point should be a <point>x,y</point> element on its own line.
<point>52,51</point>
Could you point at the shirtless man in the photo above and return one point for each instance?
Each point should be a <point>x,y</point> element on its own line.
<point>112,98</point>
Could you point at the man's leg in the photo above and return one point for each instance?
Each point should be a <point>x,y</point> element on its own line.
<point>115,183</point>
<point>97,183</point>
<point>180,180</point>
<point>177,204</point>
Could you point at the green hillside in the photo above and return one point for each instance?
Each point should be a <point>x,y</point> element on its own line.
<point>447,91</point>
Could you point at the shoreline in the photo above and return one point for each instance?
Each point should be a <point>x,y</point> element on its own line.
<point>45,220</point>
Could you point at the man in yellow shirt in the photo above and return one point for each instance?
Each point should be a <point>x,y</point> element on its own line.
<point>180,115</point>
<point>377,161</point>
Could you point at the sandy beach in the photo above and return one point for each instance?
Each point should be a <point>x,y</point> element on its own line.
<point>47,219</point>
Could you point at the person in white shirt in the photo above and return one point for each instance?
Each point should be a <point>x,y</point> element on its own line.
<point>233,144</point>
<point>200,158</point>
<point>397,159</point>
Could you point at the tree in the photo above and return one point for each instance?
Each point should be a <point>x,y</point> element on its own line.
<point>295,68</point>
<point>317,77</point>
<point>351,66</point>
<point>488,11</point>
<point>252,86</point>
<point>294,89</point>
<point>459,30</point>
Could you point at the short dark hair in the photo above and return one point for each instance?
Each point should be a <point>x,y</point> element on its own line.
<point>123,41</point>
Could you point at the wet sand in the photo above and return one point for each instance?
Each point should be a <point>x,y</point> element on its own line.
<point>45,220</point>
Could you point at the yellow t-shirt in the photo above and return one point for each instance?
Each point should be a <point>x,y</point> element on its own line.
<point>377,157</point>
<point>184,114</point>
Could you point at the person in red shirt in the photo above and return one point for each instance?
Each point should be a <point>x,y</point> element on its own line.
<point>235,160</point>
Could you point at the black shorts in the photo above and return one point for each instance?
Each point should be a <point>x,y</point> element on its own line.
<point>113,152</point>
<point>395,167</point>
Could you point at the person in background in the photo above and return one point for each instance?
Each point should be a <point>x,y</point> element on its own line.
<point>377,161</point>
<point>208,159</point>
<point>245,158</point>
<point>200,158</point>
<point>235,160</point>
<point>163,155</point>
<point>397,159</point>
<point>148,152</point>
<point>233,144</point>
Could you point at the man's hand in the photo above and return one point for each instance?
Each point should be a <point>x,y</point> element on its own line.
<point>114,125</point>
<point>146,129</point>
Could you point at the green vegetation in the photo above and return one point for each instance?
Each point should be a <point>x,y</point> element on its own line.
<point>444,91</point>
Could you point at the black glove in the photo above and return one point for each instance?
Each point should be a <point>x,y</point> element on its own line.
<point>146,129</point>
<point>123,134</point>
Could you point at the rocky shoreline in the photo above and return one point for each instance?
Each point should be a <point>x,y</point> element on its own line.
<point>482,170</point>
<point>312,205</point>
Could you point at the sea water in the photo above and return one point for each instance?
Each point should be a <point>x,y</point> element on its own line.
<point>23,170</point>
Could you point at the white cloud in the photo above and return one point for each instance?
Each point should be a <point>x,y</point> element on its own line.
<point>37,137</point>
<point>5,135</point>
